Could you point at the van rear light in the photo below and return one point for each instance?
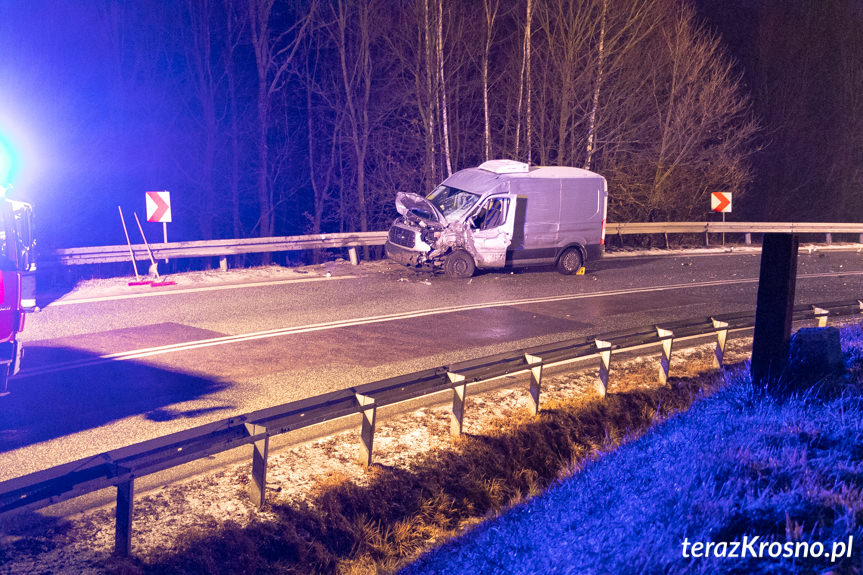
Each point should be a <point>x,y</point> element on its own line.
<point>602,237</point>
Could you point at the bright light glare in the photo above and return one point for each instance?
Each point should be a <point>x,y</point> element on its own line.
<point>7,162</point>
<point>19,159</point>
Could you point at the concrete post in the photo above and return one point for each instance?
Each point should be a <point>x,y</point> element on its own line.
<point>774,306</point>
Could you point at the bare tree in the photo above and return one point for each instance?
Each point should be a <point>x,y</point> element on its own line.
<point>355,60</point>
<point>698,136</point>
<point>322,135</point>
<point>231,40</point>
<point>591,126</point>
<point>199,46</point>
<point>491,8</point>
<point>524,82</point>
<point>274,53</point>
<point>442,88</point>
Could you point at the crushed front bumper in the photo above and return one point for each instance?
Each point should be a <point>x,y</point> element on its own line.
<point>405,256</point>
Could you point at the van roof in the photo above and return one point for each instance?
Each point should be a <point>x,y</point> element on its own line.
<point>522,169</point>
<point>478,180</point>
<point>556,172</point>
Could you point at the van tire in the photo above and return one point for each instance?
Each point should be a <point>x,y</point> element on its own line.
<point>570,261</point>
<point>459,264</point>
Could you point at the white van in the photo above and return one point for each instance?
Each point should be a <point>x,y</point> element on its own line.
<point>503,213</point>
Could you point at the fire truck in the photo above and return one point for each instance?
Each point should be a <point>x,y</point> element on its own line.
<point>17,281</point>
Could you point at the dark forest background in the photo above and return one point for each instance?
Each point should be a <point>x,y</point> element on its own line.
<point>289,117</point>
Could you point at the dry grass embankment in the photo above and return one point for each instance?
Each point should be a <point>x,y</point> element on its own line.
<point>352,521</point>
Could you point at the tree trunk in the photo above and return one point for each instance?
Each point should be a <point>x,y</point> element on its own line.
<point>591,128</point>
<point>442,81</point>
<point>529,90</point>
<point>491,8</point>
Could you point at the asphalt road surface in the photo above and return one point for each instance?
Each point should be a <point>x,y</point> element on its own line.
<point>105,371</point>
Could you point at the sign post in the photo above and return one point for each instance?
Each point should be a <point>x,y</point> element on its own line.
<point>159,210</point>
<point>721,202</point>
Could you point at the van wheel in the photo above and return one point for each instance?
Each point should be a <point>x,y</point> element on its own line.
<point>570,261</point>
<point>459,264</point>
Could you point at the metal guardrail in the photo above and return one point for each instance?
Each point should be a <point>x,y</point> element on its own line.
<point>120,467</point>
<point>224,248</point>
<point>733,227</point>
<point>218,248</point>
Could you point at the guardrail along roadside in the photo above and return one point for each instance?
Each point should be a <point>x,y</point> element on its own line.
<point>224,248</point>
<point>119,468</point>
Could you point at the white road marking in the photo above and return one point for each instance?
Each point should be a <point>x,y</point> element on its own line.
<point>193,290</point>
<point>185,346</point>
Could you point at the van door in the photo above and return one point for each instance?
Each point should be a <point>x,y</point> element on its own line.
<point>491,230</point>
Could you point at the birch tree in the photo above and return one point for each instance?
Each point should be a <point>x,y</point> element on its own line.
<point>491,8</point>
<point>442,89</point>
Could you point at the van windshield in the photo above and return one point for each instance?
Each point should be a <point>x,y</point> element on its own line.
<point>451,200</point>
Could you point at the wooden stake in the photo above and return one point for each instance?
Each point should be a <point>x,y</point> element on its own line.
<point>154,267</point>
<point>129,242</point>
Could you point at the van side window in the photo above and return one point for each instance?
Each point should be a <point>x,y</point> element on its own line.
<point>492,214</point>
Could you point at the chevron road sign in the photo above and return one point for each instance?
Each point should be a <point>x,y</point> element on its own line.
<point>720,201</point>
<point>158,206</point>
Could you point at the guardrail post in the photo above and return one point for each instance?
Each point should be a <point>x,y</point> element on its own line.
<point>535,364</point>
<point>707,237</point>
<point>721,328</point>
<point>861,238</point>
<point>123,524</point>
<point>458,392</point>
<point>367,433</point>
<point>665,361</point>
<point>604,366</point>
<point>828,239</point>
<point>260,452</point>
<point>223,263</point>
<point>820,316</point>
<point>748,238</point>
<point>352,253</point>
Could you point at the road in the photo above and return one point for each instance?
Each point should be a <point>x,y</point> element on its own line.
<point>103,371</point>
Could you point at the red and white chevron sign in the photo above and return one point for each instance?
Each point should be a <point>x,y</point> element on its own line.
<point>158,206</point>
<point>720,201</point>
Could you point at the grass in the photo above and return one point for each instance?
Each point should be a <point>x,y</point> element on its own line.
<point>784,466</point>
<point>589,486</point>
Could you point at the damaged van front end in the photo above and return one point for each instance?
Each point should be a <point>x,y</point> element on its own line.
<point>422,235</point>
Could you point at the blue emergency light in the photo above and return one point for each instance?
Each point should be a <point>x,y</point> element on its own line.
<point>7,162</point>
